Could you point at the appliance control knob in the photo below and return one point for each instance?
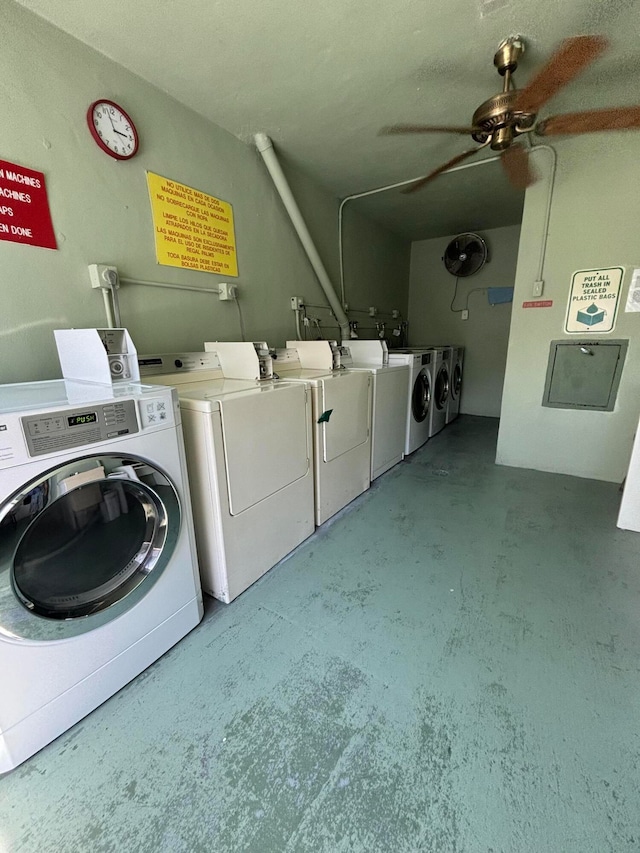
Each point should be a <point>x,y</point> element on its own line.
<point>177,362</point>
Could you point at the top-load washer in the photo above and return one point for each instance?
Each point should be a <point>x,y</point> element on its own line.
<point>98,571</point>
<point>455,383</point>
<point>341,422</point>
<point>249,451</point>
<point>390,399</point>
<point>419,397</point>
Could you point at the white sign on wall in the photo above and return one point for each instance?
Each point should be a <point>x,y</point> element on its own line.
<point>633,299</point>
<point>593,301</point>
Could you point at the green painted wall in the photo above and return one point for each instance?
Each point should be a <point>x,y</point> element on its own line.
<point>100,212</point>
<point>485,334</point>
<point>594,224</point>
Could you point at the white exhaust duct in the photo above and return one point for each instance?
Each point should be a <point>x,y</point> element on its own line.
<point>265,147</point>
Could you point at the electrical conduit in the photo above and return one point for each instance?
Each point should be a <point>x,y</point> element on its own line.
<point>265,147</point>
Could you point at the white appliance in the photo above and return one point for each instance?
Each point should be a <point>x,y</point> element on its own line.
<point>98,572</point>
<point>341,423</point>
<point>441,361</point>
<point>629,515</point>
<point>390,400</point>
<point>419,395</point>
<point>440,384</point>
<point>455,384</point>
<point>249,451</point>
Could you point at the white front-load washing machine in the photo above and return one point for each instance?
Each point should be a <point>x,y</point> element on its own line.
<point>441,361</point>
<point>98,571</point>
<point>249,451</point>
<point>455,384</point>
<point>390,400</point>
<point>419,400</point>
<point>441,383</point>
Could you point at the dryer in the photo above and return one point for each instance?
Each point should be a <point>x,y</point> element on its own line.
<point>249,451</point>
<point>98,572</point>
<point>389,400</point>
<point>341,423</point>
<point>455,386</point>
<point>419,395</point>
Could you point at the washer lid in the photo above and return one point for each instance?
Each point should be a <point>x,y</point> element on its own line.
<point>58,393</point>
<point>206,396</point>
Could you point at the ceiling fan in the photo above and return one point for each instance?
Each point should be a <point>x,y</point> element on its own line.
<point>511,113</point>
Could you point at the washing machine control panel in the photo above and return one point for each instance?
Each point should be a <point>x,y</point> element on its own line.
<point>60,431</point>
<point>426,358</point>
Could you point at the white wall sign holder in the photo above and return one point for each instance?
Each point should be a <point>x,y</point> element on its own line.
<point>97,355</point>
<point>593,301</point>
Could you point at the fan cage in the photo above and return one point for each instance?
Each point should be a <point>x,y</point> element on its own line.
<point>465,255</point>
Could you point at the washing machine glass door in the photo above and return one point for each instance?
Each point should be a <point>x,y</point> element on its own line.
<point>81,541</point>
<point>421,397</point>
<point>456,382</point>
<point>442,387</point>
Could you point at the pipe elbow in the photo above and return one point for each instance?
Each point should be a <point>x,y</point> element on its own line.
<point>262,142</point>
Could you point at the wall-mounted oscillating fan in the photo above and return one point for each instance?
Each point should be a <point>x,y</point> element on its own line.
<point>465,255</point>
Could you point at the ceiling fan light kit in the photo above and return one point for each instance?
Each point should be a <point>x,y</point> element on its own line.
<point>501,119</point>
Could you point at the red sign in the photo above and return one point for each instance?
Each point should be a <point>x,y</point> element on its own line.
<point>540,303</point>
<point>24,207</point>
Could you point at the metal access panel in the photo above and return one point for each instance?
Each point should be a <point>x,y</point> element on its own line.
<point>584,374</point>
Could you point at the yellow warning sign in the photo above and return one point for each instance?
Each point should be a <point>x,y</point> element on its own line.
<point>193,230</point>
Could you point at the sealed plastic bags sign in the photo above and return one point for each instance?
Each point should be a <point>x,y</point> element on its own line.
<point>593,301</point>
<point>192,230</point>
<point>24,207</point>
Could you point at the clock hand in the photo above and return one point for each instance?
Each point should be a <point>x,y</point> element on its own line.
<point>121,134</point>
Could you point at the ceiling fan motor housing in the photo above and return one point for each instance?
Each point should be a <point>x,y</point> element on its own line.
<point>500,121</point>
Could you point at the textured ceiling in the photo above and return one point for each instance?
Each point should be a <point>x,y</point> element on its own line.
<point>321,79</point>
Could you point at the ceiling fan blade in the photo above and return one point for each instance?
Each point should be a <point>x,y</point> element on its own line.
<point>572,57</point>
<point>515,160</point>
<point>592,121</point>
<point>448,165</point>
<point>395,129</point>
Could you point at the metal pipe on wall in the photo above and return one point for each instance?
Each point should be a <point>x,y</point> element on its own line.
<point>265,147</point>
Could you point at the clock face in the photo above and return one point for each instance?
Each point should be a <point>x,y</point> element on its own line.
<point>112,129</point>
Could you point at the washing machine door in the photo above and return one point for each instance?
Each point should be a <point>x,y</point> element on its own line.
<point>83,543</point>
<point>456,382</point>
<point>421,396</point>
<point>441,394</point>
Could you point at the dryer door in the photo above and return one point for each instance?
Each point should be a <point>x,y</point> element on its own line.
<point>421,396</point>
<point>346,413</point>
<point>82,544</point>
<point>442,387</point>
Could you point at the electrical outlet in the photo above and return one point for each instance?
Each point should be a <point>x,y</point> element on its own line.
<point>101,276</point>
<point>373,311</point>
<point>297,302</point>
<point>395,313</point>
<point>464,315</point>
<point>538,287</point>
<point>228,291</point>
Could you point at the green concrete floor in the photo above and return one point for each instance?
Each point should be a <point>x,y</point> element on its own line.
<point>451,665</point>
